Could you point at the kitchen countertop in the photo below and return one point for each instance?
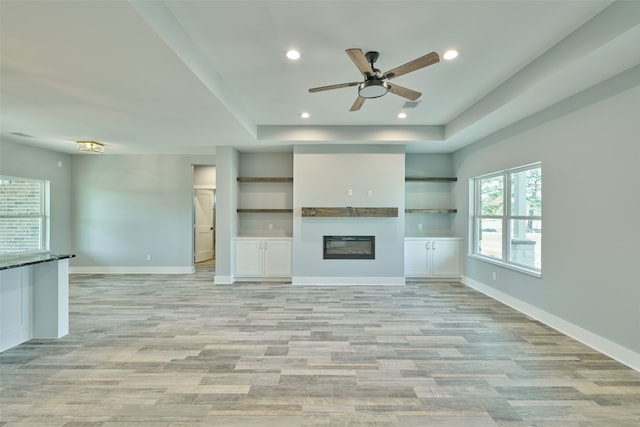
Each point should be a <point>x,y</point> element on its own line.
<point>20,260</point>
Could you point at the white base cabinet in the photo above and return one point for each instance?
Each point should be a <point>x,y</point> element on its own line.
<point>262,257</point>
<point>438,258</point>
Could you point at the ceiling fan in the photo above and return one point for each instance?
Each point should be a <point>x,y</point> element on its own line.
<point>375,83</point>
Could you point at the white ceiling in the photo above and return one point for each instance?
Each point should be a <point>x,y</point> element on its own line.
<point>184,76</point>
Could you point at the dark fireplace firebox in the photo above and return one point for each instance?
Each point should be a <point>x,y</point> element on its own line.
<point>349,247</point>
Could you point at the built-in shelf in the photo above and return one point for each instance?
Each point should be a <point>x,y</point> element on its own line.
<point>264,179</point>
<point>433,179</point>
<point>430,179</point>
<point>276,179</point>
<point>430,211</point>
<point>264,210</point>
<point>349,212</point>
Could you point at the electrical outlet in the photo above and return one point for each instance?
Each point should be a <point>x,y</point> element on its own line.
<point>349,192</point>
<point>419,226</point>
<point>494,275</point>
<point>270,226</point>
<point>148,257</point>
<point>370,193</point>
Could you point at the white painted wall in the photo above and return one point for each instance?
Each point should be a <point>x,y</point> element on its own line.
<point>589,149</point>
<point>322,177</point>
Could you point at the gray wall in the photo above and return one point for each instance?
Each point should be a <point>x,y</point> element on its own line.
<point>322,176</point>
<point>226,205</point>
<point>589,148</point>
<point>127,207</point>
<point>30,162</point>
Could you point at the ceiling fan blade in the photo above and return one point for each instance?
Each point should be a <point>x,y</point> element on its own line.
<point>403,92</point>
<point>416,64</point>
<point>358,104</point>
<point>338,86</point>
<point>358,58</point>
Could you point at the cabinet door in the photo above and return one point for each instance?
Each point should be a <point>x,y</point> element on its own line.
<point>249,260</point>
<point>277,258</point>
<point>445,258</point>
<point>415,258</point>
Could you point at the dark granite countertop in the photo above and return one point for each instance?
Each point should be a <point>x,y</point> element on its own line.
<point>20,260</point>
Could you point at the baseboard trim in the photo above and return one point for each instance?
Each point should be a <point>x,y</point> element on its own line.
<point>222,280</point>
<point>348,281</point>
<point>603,345</point>
<point>131,270</point>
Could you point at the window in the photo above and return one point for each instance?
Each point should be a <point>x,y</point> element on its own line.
<point>507,217</point>
<point>23,215</point>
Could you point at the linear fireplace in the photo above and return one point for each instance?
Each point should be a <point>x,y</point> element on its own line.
<point>349,247</point>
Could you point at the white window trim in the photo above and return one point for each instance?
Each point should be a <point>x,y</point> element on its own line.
<point>44,215</point>
<point>515,267</point>
<point>506,217</point>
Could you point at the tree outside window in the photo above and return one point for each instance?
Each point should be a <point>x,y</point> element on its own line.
<point>508,229</point>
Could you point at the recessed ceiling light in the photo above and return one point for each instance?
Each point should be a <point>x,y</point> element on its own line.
<point>450,54</point>
<point>293,54</point>
<point>402,115</point>
<point>304,115</point>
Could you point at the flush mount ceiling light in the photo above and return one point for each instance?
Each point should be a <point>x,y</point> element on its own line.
<point>293,54</point>
<point>450,54</point>
<point>402,115</point>
<point>304,115</point>
<point>90,147</point>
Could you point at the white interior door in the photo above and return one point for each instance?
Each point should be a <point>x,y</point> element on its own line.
<point>204,228</point>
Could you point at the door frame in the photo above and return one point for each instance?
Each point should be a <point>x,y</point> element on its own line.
<point>195,231</point>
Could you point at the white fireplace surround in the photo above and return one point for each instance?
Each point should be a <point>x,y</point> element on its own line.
<point>348,176</point>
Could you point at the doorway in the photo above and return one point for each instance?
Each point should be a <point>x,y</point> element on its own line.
<point>204,208</point>
<point>205,229</point>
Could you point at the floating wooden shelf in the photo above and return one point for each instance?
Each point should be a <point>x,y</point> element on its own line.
<point>350,212</point>
<point>430,179</point>
<point>264,210</point>
<point>430,211</point>
<point>264,179</point>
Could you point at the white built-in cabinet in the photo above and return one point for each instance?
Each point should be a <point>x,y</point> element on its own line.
<point>257,257</point>
<point>438,258</point>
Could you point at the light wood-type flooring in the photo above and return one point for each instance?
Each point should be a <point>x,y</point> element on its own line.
<point>167,350</point>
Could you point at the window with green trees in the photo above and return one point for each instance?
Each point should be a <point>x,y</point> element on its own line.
<point>507,217</point>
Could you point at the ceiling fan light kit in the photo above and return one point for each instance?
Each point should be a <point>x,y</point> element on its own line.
<point>372,88</point>
<point>375,84</point>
